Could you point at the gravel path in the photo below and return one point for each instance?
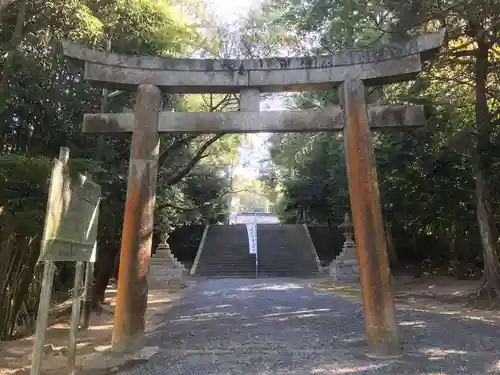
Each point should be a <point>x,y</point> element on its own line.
<point>263,327</point>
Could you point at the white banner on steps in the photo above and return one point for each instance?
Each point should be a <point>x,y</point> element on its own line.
<point>252,238</point>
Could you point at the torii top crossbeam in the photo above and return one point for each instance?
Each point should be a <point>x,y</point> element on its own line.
<point>374,66</point>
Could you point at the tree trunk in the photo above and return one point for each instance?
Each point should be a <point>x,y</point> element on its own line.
<point>116,266</point>
<point>414,243</point>
<point>14,44</point>
<point>451,238</point>
<point>156,241</point>
<point>104,268</point>
<point>391,251</point>
<point>487,229</point>
<point>481,165</point>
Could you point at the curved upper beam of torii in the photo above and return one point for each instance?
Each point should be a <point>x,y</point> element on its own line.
<point>374,66</point>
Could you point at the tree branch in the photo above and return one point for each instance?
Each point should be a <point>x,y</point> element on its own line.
<point>177,145</point>
<point>184,141</point>
<point>211,106</point>
<point>465,53</point>
<point>196,158</point>
<point>219,197</point>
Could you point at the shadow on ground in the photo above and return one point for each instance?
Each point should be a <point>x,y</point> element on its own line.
<point>282,327</point>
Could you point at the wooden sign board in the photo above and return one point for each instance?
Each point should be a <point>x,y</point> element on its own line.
<point>70,232</point>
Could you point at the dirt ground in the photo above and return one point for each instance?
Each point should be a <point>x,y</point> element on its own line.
<point>15,356</point>
<point>436,294</point>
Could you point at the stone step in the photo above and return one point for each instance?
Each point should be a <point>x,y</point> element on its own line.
<point>164,257</point>
<point>165,260</point>
<point>248,269</point>
<point>226,257</point>
<point>229,276</point>
<point>283,250</point>
<point>286,276</point>
<point>232,274</point>
<point>228,263</point>
<point>303,262</point>
<point>286,270</point>
<point>277,269</point>
<point>296,272</point>
<point>166,266</point>
<point>251,270</point>
<point>225,272</point>
<point>229,269</point>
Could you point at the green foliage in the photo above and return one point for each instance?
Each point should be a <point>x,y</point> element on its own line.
<point>41,109</point>
<point>149,27</point>
<point>426,176</point>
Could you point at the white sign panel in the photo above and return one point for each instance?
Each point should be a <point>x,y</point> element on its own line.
<point>252,238</point>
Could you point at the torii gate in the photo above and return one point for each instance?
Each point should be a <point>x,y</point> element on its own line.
<point>350,70</point>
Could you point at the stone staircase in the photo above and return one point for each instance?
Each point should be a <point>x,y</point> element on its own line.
<point>286,251</point>
<point>224,253</point>
<point>283,251</point>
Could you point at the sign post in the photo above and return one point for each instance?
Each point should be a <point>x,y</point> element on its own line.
<point>75,315</point>
<point>42,317</point>
<point>69,235</point>
<point>87,295</point>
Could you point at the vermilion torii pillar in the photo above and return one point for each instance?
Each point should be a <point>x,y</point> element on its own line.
<point>349,70</point>
<point>138,223</point>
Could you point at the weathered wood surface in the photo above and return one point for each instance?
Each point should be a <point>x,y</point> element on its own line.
<point>87,296</point>
<point>75,317</point>
<point>386,64</point>
<point>375,276</point>
<point>250,100</point>
<point>47,283</point>
<point>135,253</point>
<point>71,221</point>
<point>311,120</point>
<point>42,317</point>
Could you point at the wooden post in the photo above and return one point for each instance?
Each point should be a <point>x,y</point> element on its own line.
<point>250,100</point>
<point>45,294</point>
<point>135,253</point>
<point>101,144</point>
<point>104,92</point>
<point>88,287</point>
<point>42,317</point>
<point>75,317</point>
<point>87,296</point>
<point>380,317</point>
